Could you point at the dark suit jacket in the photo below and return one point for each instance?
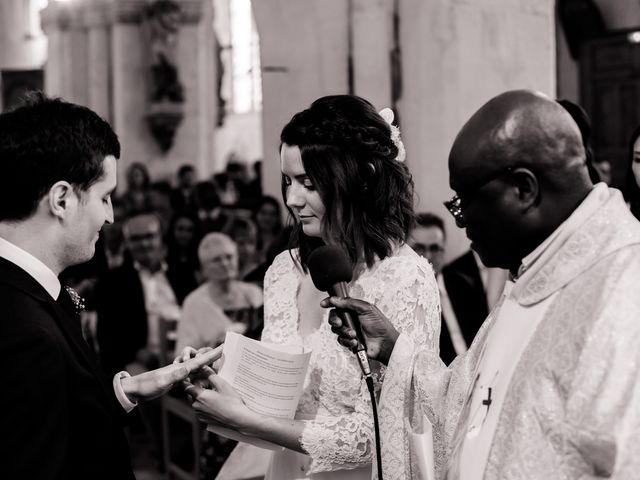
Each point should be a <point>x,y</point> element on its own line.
<point>468,299</point>
<point>122,316</point>
<point>58,418</point>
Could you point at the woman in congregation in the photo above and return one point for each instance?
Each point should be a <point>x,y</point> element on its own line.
<point>266,215</point>
<point>345,183</point>
<point>216,306</point>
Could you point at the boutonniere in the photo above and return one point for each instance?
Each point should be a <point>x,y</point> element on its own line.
<point>78,301</point>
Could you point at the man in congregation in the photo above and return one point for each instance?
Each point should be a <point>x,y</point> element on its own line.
<point>58,418</point>
<point>549,388</point>
<point>468,289</point>
<point>147,291</point>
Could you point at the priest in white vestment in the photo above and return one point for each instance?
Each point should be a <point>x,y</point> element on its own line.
<point>550,387</point>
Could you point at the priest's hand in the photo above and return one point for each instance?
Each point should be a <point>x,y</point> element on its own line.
<point>152,384</point>
<point>380,334</point>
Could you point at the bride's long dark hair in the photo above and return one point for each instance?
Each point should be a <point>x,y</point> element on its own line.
<point>348,154</point>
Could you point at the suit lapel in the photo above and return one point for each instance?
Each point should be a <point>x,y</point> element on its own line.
<point>71,329</point>
<point>13,275</point>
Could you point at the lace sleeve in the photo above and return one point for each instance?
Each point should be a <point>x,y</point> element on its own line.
<point>417,293</point>
<point>280,311</point>
<point>404,289</point>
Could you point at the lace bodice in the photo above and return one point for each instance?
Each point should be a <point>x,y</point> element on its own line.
<point>335,402</point>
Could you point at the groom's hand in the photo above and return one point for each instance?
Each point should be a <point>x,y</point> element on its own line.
<point>152,384</point>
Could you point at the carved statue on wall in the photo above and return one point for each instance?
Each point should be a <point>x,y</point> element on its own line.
<point>167,92</point>
<point>164,23</point>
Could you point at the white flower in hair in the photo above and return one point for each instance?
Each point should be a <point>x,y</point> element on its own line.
<point>388,116</point>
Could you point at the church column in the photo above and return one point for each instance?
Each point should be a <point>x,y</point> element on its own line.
<point>55,19</point>
<point>129,75</point>
<point>206,91</point>
<point>304,55</point>
<point>99,58</point>
<point>195,53</point>
<point>66,70</point>
<point>456,55</point>
<point>371,30</point>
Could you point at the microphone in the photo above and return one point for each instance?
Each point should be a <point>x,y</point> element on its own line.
<point>331,270</point>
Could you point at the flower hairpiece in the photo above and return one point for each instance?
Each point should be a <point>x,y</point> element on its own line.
<point>388,116</point>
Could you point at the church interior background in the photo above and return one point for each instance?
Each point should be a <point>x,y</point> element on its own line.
<point>202,81</point>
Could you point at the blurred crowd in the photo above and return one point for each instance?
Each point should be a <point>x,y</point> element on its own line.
<point>188,252</point>
<point>211,240</point>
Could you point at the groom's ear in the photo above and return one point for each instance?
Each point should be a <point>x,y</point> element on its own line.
<point>59,197</point>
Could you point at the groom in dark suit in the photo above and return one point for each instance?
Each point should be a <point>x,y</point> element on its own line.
<point>58,418</point>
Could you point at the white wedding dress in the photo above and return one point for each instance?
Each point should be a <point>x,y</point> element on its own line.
<point>335,403</point>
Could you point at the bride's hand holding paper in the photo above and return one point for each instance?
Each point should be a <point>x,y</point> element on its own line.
<point>216,402</point>
<point>254,395</point>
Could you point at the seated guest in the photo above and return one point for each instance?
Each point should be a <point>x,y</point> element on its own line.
<point>279,245</point>
<point>210,212</point>
<point>244,234</point>
<point>268,220</point>
<point>183,237</point>
<point>114,251</point>
<point>136,196</point>
<point>468,290</point>
<point>160,203</point>
<point>203,321</point>
<point>131,299</point>
<point>472,290</point>
<point>183,197</point>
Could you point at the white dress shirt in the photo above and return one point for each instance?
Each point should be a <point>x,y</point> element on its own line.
<point>159,302</point>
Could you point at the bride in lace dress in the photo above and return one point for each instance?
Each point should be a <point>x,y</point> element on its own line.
<point>345,183</point>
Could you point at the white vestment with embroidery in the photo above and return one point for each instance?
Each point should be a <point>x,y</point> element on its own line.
<point>571,407</point>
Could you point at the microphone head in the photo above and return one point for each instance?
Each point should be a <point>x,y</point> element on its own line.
<point>329,265</point>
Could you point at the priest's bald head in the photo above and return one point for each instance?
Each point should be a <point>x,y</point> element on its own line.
<point>519,170</point>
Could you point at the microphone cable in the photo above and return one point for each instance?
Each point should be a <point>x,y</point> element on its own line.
<point>376,425</point>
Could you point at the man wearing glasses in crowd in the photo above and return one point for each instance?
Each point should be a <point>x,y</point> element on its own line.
<point>468,289</point>
<point>549,387</point>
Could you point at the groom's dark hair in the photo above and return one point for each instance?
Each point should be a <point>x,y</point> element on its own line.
<point>46,140</point>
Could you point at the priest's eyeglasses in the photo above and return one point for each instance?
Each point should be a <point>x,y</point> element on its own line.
<point>454,205</point>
